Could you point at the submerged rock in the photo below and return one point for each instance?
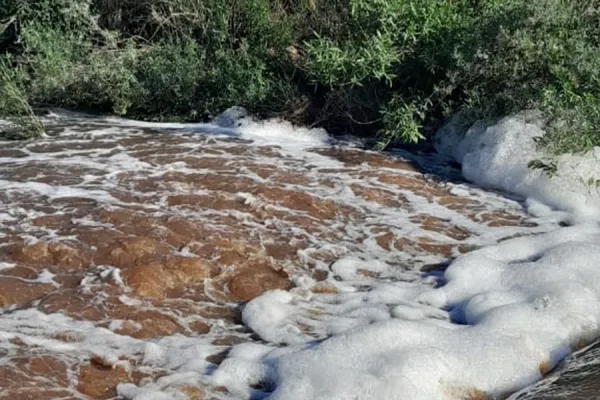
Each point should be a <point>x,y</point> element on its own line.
<point>253,282</point>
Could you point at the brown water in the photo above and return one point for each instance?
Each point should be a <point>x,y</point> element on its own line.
<point>112,238</point>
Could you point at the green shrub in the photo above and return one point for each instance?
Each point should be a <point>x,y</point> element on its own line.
<point>68,70</point>
<point>542,54</point>
<point>174,93</point>
<point>235,77</point>
<point>401,120</point>
<point>397,69</point>
<point>14,104</point>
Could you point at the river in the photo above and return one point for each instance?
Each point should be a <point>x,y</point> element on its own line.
<point>127,251</point>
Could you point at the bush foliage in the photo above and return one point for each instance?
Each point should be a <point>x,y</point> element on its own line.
<point>392,68</point>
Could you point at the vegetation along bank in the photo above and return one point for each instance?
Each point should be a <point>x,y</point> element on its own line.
<point>391,69</point>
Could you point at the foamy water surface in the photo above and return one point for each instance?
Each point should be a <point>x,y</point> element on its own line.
<point>173,261</point>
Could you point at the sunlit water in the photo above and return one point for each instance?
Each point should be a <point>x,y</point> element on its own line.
<point>126,253</point>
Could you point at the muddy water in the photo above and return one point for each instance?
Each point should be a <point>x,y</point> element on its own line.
<point>114,240</point>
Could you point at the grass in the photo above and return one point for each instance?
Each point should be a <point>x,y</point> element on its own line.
<point>13,101</point>
<point>395,69</point>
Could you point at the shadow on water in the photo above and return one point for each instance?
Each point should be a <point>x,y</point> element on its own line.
<point>442,169</point>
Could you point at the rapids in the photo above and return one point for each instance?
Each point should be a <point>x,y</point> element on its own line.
<point>128,250</point>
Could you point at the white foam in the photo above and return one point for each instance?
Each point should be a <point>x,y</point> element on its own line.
<point>522,315</point>
<point>349,268</point>
<point>233,122</point>
<point>283,134</point>
<point>514,309</point>
<point>56,192</point>
<point>268,317</point>
<point>385,330</point>
<point>497,156</point>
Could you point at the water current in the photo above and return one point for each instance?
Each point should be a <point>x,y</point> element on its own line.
<point>127,252</point>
